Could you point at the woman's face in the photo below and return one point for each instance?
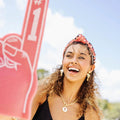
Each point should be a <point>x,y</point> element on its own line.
<point>76,63</point>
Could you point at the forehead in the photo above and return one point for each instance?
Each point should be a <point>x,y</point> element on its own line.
<point>77,48</point>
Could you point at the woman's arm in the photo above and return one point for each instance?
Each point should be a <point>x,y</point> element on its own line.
<point>39,97</point>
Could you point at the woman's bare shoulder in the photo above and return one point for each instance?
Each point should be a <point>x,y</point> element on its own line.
<point>91,114</point>
<point>41,93</point>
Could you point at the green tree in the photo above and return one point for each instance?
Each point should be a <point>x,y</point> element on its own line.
<point>41,73</point>
<point>111,111</point>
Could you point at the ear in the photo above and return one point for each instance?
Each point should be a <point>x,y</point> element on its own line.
<point>92,67</point>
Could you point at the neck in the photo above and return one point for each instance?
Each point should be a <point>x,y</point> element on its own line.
<point>70,90</point>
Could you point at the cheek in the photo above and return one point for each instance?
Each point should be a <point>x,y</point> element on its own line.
<point>65,61</point>
<point>64,64</point>
<point>85,65</point>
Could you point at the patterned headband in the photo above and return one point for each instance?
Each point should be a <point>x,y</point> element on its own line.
<point>81,39</point>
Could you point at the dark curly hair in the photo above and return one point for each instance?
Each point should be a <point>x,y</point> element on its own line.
<point>86,94</point>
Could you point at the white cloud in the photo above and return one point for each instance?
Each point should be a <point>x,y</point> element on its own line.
<point>49,59</point>
<point>59,30</point>
<point>110,82</point>
<point>2,4</point>
<point>21,4</point>
<point>2,26</point>
<point>2,23</point>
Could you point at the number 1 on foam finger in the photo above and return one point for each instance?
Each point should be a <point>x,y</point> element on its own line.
<point>33,28</point>
<point>32,36</point>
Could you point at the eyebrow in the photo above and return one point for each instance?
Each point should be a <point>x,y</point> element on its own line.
<point>80,53</point>
<point>69,52</point>
<point>83,54</point>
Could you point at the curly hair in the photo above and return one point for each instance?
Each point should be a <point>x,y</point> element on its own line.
<point>86,94</point>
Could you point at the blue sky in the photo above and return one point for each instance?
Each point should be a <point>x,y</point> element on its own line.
<point>98,20</point>
<point>101,21</point>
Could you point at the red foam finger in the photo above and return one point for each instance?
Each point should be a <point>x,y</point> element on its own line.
<point>1,54</point>
<point>33,29</point>
<point>10,50</point>
<point>19,56</point>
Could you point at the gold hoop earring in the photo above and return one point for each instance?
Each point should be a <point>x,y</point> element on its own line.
<point>61,72</point>
<point>88,76</point>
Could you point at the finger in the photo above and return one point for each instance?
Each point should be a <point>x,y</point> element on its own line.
<point>10,50</point>
<point>14,54</point>
<point>11,41</point>
<point>33,28</point>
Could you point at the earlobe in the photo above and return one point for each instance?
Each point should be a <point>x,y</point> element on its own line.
<point>92,68</point>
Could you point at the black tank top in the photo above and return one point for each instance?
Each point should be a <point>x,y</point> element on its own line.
<point>43,112</point>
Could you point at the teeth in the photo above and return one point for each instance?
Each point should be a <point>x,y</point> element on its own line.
<point>74,69</point>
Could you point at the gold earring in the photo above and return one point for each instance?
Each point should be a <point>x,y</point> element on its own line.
<point>61,72</point>
<point>88,76</point>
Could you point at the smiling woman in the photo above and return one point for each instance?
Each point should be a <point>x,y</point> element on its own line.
<point>76,63</point>
<point>70,92</point>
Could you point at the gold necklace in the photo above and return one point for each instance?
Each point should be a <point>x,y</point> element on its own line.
<point>64,108</point>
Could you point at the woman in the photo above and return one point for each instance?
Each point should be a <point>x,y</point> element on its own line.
<point>70,92</point>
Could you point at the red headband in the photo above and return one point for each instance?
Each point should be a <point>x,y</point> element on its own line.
<point>81,39</point>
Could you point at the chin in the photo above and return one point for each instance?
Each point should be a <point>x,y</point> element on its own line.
<point>72,79</point>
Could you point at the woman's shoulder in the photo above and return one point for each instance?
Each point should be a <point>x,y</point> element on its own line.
<point>40,95</point>
<point>91,114</point>
<point>41,92</point>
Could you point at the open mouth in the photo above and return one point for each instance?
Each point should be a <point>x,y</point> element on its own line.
<point>75,70</point>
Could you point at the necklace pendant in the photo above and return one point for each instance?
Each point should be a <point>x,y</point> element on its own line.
<point>64,109</point>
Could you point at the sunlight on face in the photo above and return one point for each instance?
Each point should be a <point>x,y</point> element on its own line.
<point>76,62</point>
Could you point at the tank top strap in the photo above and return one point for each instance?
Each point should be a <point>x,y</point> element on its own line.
<point>82,117</point>
<point>43,112</point>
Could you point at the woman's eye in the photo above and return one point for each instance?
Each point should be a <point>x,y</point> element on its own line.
<point>81,58</point>
<point>68,56</point>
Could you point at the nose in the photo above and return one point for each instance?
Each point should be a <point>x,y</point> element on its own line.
<point>74,60</point>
